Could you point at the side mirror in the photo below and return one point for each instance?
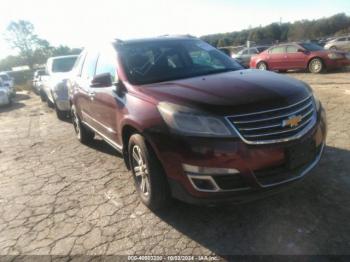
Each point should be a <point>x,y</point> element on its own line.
<point>119,88</point>
<point>301,50</point>
<point>102,80</point>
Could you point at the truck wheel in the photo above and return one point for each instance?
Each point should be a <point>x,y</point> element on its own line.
<point>82,132</point>
<point>316,66</point>
<point>149,177</point>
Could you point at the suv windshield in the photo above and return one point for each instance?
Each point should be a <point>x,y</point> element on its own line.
<point>312,47</point>
<point>63,64</point>
<point>158,61</point>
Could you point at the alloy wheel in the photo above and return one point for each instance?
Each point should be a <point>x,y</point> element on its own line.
<point>262,66</point>
<point>140,170</point>
<point>316,66</point>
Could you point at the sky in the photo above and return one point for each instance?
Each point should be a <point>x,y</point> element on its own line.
<point>77,23</point>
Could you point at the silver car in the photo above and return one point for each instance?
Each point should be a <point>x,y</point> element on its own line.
<point>339,43</point>
<point>8,82</point>
<point>54,84</point>
<point>5,94</point>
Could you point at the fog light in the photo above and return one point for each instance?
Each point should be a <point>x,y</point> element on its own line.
<point>203,184</point>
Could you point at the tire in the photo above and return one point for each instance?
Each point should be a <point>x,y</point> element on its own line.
<point>10,102</point>
<point>82,132</point>
<point>150,180</point>
<point>62,115</point>
<point>262,66</point>
<point>316,66</point>
<point>333,48</point>
<point>49,103</point>
<point>42,96</point>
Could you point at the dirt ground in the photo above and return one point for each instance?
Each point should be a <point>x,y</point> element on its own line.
<point>60,197</point>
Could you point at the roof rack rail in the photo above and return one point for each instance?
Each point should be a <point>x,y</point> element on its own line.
<point>179,35</point>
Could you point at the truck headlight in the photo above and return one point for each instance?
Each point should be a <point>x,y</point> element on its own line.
<point>192,122</point>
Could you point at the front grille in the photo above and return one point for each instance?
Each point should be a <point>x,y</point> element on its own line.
<point>272,125</point>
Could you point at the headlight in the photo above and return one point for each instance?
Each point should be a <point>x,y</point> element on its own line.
<point>335,56</point>
<point>192,122</point>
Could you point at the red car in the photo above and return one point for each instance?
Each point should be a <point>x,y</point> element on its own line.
<point>299,56</point>
<point>192,124</point>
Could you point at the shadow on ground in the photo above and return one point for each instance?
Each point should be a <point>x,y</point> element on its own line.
<point>309,218</point>
<point>21,96</point>
<point>15,105</point>
<point>102,146</point>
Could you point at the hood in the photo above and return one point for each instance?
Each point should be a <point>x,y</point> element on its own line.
<point>56,78</point>
<point>235,92</point>
<point>60,76</point>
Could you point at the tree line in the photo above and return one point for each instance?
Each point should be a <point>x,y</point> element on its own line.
<point>32,50</point>
<point>338,24</point>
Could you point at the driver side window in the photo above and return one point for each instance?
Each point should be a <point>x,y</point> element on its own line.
<point>107,63</point>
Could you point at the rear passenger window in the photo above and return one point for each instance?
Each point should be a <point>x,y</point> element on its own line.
<point>278,50</point>
<point>89,66</point>
<point>107,63</point>
<point>292,49</point>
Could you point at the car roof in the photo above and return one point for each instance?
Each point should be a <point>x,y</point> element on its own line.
<point>156,39</point>
<point>63,56</point>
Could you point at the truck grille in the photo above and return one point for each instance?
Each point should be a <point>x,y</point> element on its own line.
<point>276,125</point>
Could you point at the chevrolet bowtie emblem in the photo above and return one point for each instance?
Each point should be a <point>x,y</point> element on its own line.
<point>292,121</point>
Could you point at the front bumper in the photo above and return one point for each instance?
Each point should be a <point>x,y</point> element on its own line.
<point>261,168</point>
<point>4,100</point>
<point>61,98</point>
<point>337,63</point>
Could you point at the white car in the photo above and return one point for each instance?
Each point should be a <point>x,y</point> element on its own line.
<point>8,81</point>
<point>37,80</point>
<point>54,84</point>
<point>5,94</point>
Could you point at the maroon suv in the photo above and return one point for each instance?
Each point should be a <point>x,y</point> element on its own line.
<point>192,124</point>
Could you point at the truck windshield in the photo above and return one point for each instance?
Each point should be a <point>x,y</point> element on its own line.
<point>63,64</point>
<point>163,60</point>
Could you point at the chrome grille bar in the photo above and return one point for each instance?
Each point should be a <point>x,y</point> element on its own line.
<point>274,125</point>
<point>272,118</point>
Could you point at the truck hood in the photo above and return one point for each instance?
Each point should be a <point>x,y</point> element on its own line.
<point>234,92</point>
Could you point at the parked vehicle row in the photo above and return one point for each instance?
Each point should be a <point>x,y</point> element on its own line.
<point>52,85</point>
<point>192,123</point>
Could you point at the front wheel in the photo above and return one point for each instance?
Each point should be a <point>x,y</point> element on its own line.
<point>262,66</point>
<point>42,96</point>
<point>83,134</point>
<point>62,115</point>
<point>149,178</point>
<point>316,66</point>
